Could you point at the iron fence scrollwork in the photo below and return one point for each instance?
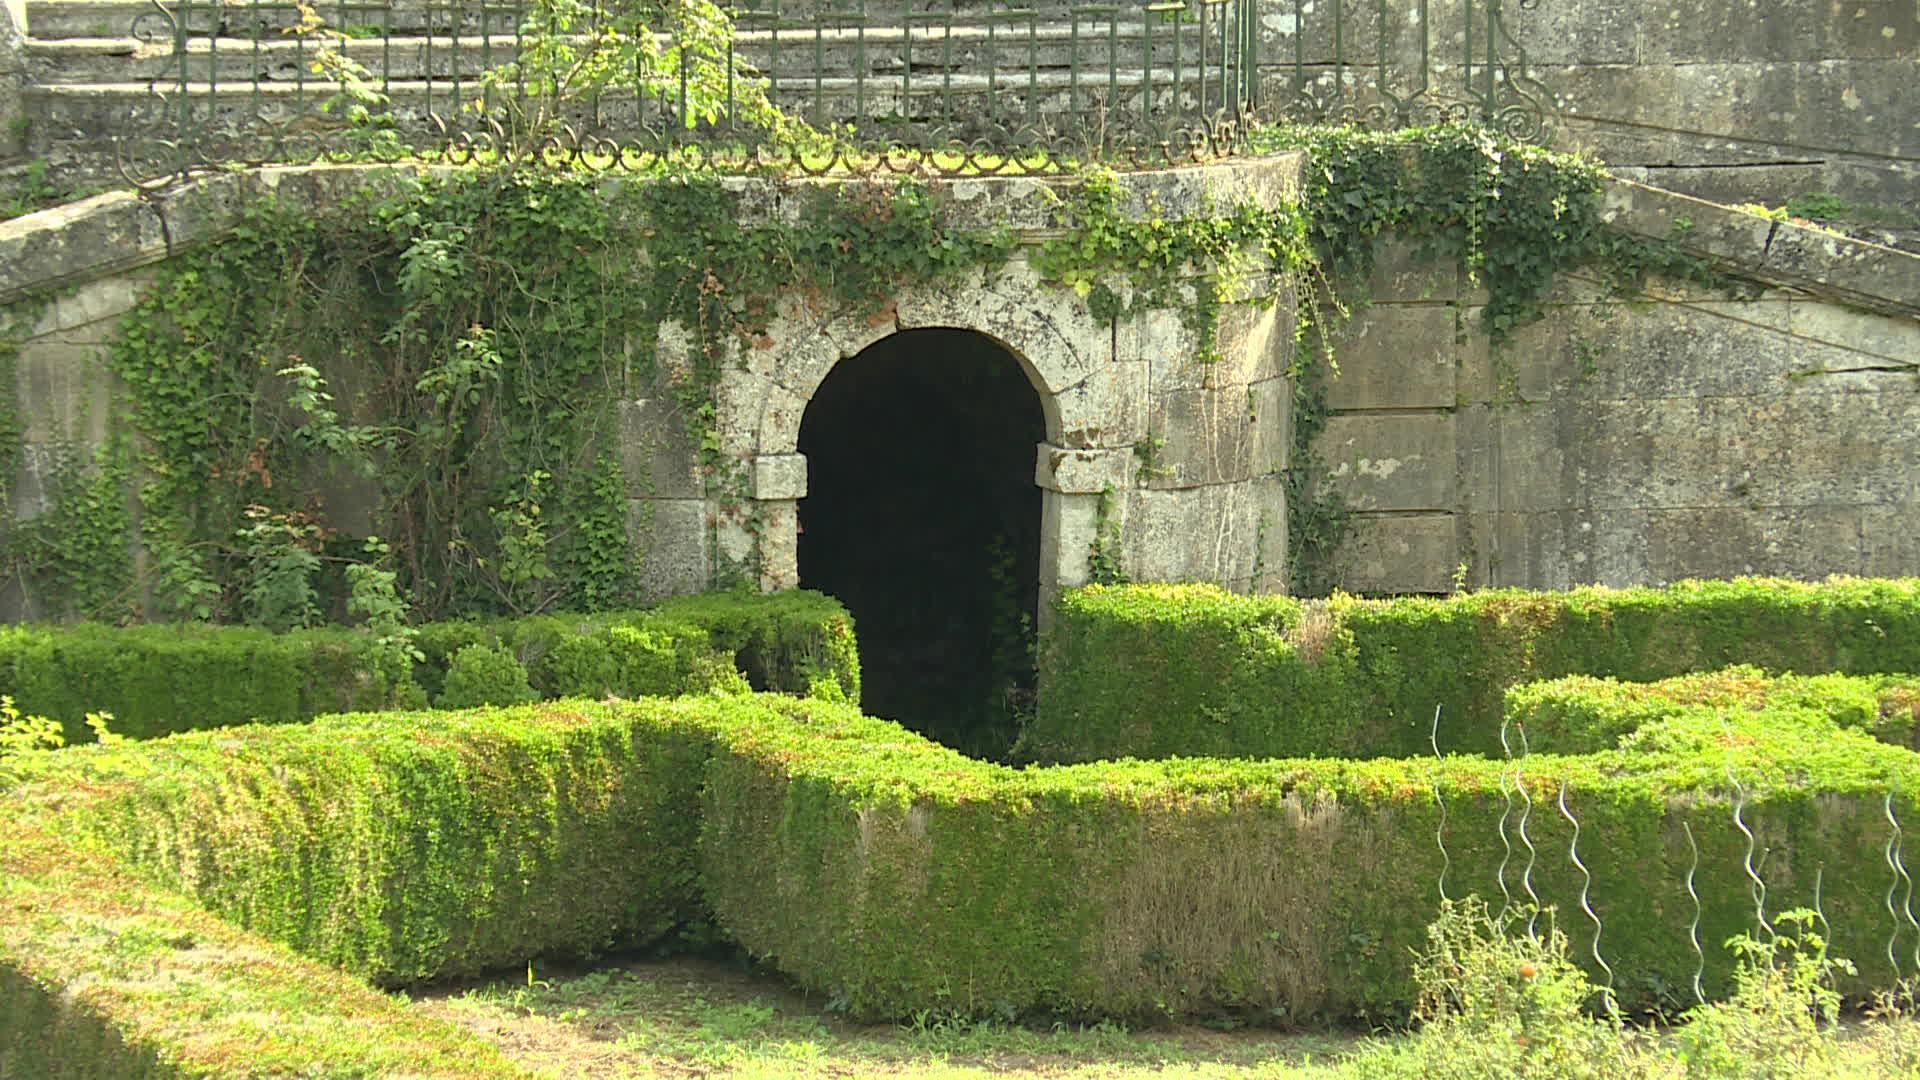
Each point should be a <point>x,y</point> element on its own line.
<point>947,86</point>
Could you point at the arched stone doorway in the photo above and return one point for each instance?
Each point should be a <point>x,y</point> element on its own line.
<point>923,517</point>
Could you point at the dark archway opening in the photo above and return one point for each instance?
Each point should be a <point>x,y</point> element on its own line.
<point>922,516</point>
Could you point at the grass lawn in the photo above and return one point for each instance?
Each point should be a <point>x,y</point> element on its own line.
<point>691,1017</point>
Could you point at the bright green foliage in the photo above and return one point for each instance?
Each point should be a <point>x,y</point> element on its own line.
<point>484,675</point>
<point>1153,671</point>
<point>1497,1002</point>
<point>1581,713</point>
<point>158,680</point>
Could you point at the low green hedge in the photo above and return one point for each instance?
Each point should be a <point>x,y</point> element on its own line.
<point>893,875</point>
<point>1155,670</point>
<point>1581,713</point>
<point>157,680</point>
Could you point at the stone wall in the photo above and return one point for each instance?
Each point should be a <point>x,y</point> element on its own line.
<point>1734,102</point>
<point>1690,433</point>
<point>1184,455</point>
<point>1617,441</point>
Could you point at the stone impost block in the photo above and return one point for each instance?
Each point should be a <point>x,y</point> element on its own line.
<point>1083,472</point>
<point>780,477</point>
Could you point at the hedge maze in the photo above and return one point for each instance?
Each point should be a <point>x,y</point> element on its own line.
<point>1228,805</point>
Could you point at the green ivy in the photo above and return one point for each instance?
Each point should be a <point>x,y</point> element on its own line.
<point>1123,262</point>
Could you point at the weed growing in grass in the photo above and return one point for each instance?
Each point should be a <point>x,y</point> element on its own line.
<point>1782,1018</point>
<point>1496,1002</point>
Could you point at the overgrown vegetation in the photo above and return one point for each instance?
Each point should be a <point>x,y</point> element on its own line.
<point>435,366</point>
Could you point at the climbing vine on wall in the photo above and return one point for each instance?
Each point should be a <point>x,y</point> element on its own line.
<point>437,363</point>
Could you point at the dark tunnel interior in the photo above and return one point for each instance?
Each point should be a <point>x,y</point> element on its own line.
<point>922,516</point>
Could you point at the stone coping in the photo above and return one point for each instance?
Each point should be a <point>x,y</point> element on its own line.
<point>1851,273</point>
<point>120,231</point>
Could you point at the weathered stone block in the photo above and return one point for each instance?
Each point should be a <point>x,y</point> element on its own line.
<point>781,415</point>
<point>1069,525</point>
<point>77,242</point>
<point>1107,408</point>
<point>65,392</point>
<point>1808,542</point>
<point>1255,342</point>
<point>1823,333</point>
<point>1270,566</point>
<point>1612,351</point>
<point>1271,404</point>
<point>1192,534</point>
<point>1395,356</point>
<point>1406,271</point>
<point>90,312</point>
<point>1397,554</point>
<point>1390,462</point>
<point>779,545</point>
<point>671,541</point>
<point>1890,540</point>
<point>1198,437</point>
<point>1170,349</point>
<point>1812,449</point>
<point>657,455</point>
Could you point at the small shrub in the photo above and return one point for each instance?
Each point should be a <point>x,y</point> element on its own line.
<point>1498,1002</point>
<point>582,667</point>
<point>484,675</point>
<point>20,734</point>
<point>1781,1019</point>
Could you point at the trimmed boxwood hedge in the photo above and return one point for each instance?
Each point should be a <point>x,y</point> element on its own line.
<point>1581,713</point>
<point>1158,670</point>
<point>157,680</point>
<point>884,871</point>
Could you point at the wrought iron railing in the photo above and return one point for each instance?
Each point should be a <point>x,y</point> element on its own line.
<point>951,86</point>
<point>1388,64</point>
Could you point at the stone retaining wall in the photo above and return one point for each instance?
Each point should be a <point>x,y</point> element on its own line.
<point>1690,434</point>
